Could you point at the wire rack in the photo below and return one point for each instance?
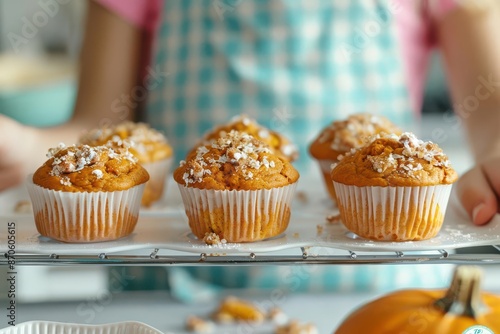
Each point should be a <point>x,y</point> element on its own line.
<point>304,256</point>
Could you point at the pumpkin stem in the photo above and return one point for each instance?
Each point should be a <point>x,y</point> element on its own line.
<point>463,297</point>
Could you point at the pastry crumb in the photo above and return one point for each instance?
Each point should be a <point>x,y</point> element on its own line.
<point>302,197</point>
<point>212,238</point>
<point>198,325</point>
<point>233,309</point>
<point>295,327</point>
<point>23,206</point>
<point>296,235</point>
<point>319,229</point>
<point>333,219</point>
<point>277,316</point>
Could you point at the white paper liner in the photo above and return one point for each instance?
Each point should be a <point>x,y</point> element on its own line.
<point>393,213</point>
<point>85,216</point>
<point>326,170</point>
<point>238,215</point>
<point>158,171</point>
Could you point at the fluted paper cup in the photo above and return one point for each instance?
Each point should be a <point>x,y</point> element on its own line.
<point>85,216</point>
<point>158,171</point>
<point>393,213</point>
<point>238,215</point>
<point>326,171</point>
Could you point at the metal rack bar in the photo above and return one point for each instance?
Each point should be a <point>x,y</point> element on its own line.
<point>252,259</point>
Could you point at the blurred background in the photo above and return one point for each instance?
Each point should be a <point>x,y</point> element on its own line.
<point>39,46</point>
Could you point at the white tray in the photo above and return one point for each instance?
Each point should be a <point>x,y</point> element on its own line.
<point>49,327</point>
<point>165,227</point>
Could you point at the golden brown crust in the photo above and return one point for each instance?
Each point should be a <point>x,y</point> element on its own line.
<point>147,144</point>
<point>342,136</point>
<point>243,123</point>
<point>235,161</point>
<point>395,161</point>
<point>89,169</point>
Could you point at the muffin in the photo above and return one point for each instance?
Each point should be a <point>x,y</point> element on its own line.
<point>243,123</point>
<point>149,146</point>
<point>87,194</point>
<point>396,188</point>
<point>341,137</point>
<point>237,188</point>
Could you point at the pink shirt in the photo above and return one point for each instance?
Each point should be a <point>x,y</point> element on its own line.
<point>415,20</point>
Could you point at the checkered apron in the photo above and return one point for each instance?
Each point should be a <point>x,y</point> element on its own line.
<point>294,65</point>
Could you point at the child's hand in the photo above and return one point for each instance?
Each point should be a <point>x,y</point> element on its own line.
<point>479,191</point>
<point>17,143</point>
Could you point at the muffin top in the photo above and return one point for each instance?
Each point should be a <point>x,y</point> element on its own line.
<point>391,160</point>
<point>147,144</point>
<point>85,168</point>
<point>235,161</point>
<point>245,124</point>
<point>341,136</point>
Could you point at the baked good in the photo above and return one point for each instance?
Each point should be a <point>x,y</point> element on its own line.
<point>148,145</point>
<point>342,136</point>
<point>395,188</point>
<point>87,194</point>
<point>237,188</point>
<point>233,309</point>
<point>243,123</point>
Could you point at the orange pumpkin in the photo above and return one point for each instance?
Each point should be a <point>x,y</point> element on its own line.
<point>429,311</point>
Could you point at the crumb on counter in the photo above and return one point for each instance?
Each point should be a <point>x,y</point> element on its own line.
<point>295,327</point>
<point>277,316</point>
<point>23,206</point>
<point>319,229</point>
<point>198,325</point>
<point>212,238</point>
<point>333,219</point>
<point>233,309</point>
<point>302,197</point>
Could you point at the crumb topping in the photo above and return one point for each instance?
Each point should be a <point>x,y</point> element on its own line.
<point>248,125</point>
<point>74,158</point>
<point>98,173</point>
<point>409,159</point>
<point>238,148</point>
<point>353,132</point>
<point>392,160</point>
<point>139,137</point>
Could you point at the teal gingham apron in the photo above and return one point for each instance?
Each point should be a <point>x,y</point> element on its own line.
<point>294,65</point>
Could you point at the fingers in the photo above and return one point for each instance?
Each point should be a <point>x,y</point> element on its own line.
<point>491,170</point>
<point>477,196</point>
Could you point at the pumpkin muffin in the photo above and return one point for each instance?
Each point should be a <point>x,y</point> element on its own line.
<point>395,188</point>
<point>342,136</point>
<point>237,188</point>
<point>148,145</point>
<point>243,123</point>
<point>87,194</point>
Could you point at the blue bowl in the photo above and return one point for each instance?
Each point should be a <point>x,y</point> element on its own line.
<point>41,106</point>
